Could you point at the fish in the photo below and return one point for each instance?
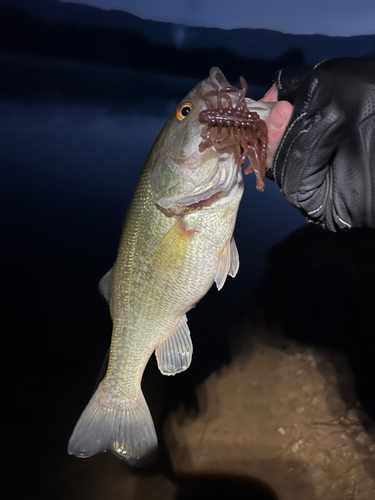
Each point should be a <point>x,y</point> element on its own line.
<point>177,240</point>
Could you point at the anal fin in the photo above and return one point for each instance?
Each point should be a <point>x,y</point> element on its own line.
<point>175,353</point>
<point>229,263</point>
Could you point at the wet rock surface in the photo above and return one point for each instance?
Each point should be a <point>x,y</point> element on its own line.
<point>276,414</point>
<point>280,421</point>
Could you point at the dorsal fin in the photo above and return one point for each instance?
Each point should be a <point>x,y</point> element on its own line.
<point>105,285</point>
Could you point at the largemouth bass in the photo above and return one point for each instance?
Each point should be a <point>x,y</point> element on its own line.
<point>177,240</point>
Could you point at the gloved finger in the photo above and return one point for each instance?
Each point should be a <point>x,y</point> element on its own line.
<point>288,82</point>
<point>310,103</point>
<point>301,161</point>
<point>315,93</point>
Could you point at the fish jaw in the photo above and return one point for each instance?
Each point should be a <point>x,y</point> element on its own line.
<point>261,107</point>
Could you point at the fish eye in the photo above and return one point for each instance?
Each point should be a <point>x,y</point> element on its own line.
<point>183,110</point>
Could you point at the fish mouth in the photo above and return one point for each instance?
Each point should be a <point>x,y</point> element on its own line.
<point>217,78</point>
<point>235,120</point>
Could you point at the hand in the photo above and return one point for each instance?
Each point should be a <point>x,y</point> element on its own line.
<point>277,122</point>
<point>325,163</point>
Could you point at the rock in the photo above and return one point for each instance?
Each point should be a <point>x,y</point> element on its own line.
<point>276,415</point>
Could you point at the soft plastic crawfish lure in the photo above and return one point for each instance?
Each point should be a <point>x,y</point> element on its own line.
<point>236,121</point>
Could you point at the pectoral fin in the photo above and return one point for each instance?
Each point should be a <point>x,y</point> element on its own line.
<point>229,263</point>
<point>175,353</point>
<point>234,259</point>
<point>105,285</point>
<point>173,248</point>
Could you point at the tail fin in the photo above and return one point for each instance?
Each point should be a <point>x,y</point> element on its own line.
<point>128,432</point>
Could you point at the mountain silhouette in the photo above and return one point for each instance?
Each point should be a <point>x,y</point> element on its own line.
<point>83,33</point>
<point>249,43</point>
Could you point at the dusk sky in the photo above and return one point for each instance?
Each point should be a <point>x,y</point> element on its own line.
<point>332,17</point>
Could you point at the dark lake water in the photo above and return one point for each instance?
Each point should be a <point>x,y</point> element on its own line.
<point>73,142</point>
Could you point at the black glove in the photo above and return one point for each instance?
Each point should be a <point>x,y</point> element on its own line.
<point>325,163</point>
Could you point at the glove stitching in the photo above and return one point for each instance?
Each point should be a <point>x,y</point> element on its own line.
<point>319,63</point>
<point>281,145</point>
<point>278,85</point>
<point>346,224</point>
<point>310,93</point>
<point>314,211</point>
